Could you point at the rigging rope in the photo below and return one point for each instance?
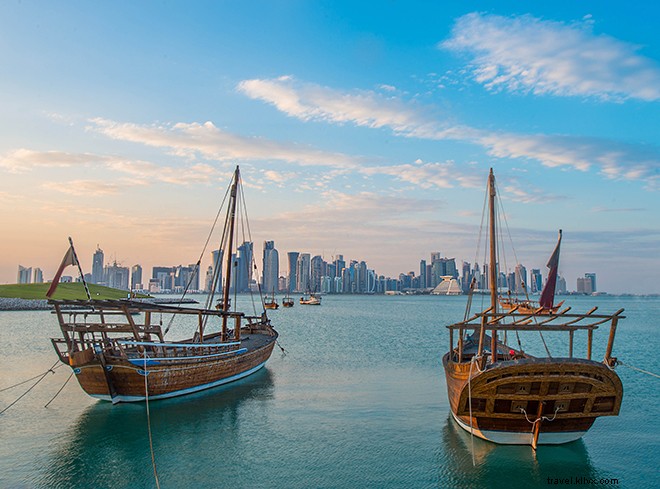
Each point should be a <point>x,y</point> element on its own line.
<point>51,370</point>
<point>619,362</point>
<point>146,401</point>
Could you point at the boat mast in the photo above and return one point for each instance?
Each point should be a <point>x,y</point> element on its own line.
<point>493,242</point>
<point>230,245</point>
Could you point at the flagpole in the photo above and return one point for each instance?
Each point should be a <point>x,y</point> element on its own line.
<point>82,276</point>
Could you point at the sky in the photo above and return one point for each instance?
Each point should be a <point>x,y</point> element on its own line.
<point>365,129</point>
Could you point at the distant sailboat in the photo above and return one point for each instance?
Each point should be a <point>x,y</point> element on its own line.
<point>271,303</point>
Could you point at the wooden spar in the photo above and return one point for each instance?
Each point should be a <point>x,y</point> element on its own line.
<point>590,339</point>
<point>237,328</point>
<point>493,242</point>
<point>570,343</point>
<point>230,245</point>
<point>537,425</point>
<point>493,259</point>
<point>610,341</point>
<point>65,333</point>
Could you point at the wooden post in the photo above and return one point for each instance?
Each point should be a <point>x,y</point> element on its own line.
<point>60,319</point>
<point>482,335</point>
<point>493,346</point>
<point>460,345</point>
<point>590,337</point>
<point>451,344</point>
<point>570,343</point>
<point>610,341</point>
<point>200,323</point>
<point>537,425</point>
<point>237,328</point>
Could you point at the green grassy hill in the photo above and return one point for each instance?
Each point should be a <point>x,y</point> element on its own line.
<point>64,291</point>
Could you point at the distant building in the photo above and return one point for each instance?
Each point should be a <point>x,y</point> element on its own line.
<point>592,277</point>
<point>292,261</point>
<point>24,275</point>
<point>136,277</point>
<point>271,267</point>
<point>303,272</point>
<point>116,276</point>
<point>217,259</point>
<point>97,266</point>
<point>38,276</point>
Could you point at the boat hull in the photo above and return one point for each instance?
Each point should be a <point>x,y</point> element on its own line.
<point>131,381</point>
<point>532,401</point>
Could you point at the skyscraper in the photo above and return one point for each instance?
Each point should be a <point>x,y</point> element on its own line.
<point>24,275</point>
<point>136,277</point>
<point>97,266</point>
<point>592,277</point>
<point>271,267</point>
<point>216,269</point>
<point>303,273</point>
<point>292,259</point>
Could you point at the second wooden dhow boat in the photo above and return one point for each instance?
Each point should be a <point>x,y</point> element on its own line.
<point>118,352</point>
<point>506,395</point>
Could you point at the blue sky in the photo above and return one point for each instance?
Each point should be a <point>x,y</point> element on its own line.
<point>362,128</point>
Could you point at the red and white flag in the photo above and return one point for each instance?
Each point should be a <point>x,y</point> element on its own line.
<point>69,259</point>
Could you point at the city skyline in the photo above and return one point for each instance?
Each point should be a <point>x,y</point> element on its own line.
<point>309,274</point>
<point>361,129</point>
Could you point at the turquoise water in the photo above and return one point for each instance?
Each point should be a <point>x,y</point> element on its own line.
<point>358,401</point>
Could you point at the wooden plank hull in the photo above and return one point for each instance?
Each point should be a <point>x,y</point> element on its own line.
<point>532,400</point>
<point>169,378</point>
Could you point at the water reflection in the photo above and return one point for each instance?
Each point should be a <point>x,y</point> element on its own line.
<point>109,445</point>
<point>511,465</point>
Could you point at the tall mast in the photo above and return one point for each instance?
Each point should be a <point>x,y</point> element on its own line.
<point>493,241</point>
<point>230,246</point>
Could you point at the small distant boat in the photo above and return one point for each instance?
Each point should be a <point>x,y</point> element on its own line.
<point>503,394</point>
<point>312,300</point>
<point>117,348</point>
<point>546,303</point>
<point>287,301</point>
<point>271,303</point>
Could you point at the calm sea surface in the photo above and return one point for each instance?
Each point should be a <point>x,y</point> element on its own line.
<point>358,401</point>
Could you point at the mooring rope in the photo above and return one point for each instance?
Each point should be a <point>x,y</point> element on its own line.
<point>61,388</point>
<point>638,369</point>
<point>32,378</point>
<point>41,377</point>
<point>146,401</point>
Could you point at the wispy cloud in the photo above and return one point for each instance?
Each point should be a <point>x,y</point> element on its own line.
<point>531,55</point>
<point>141,172</point>
<point>428,175</point>
<point>312,102</point>
<point>614,160</point>
<point>84,187</point>
<point>24,160</point>
<point>210,142</point>
<point>307,102</point>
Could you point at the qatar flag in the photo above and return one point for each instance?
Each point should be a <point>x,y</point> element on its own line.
<point>69,259</point>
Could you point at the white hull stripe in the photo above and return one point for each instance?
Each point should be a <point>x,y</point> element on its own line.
<point>521,438</point>
<point>190,390</point>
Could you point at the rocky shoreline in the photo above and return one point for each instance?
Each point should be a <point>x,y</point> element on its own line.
<point>11,304</point>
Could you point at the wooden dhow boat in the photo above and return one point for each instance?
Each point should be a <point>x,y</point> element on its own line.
<point>505,395</point>
<point>271,302</point>
<point>287,301</point>
<point>118,351</point>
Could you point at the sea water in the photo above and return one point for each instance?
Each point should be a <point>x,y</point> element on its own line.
<point>358,401</point>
